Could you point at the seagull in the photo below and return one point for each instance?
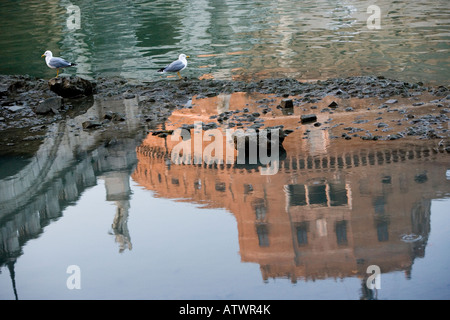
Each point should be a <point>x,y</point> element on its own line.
<point>56,63</point>
<point>176,66</point>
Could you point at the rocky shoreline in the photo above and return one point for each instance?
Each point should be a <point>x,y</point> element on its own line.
<point>29,104</point>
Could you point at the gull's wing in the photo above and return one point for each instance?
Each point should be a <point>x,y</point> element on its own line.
<point>175,66</point>
<point>59,63</point>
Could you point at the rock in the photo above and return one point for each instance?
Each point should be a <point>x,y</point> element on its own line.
<point>391,101</point>
<point>15,108</point>
<point>305,118</point>
<point>287,103</point>
<point>333,104</point>
<point>51,104</point>
<point>90,124</point>
<point>69,87</point>
<point>117,116</point>
<point>129,95</point>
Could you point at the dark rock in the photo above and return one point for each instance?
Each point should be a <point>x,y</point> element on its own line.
<point>305,118</point>
<point>69,87</point>
<point>48,105</point>
<point>108,115</point>
<point>287,103</point>
<point>394,136</point>
<point>333,104</point>
<point>117,116</point>
<point>129,95</point>
<point>90,124</point>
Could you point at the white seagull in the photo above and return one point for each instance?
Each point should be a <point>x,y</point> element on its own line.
<point>176,66</point>
<point>55,62</point>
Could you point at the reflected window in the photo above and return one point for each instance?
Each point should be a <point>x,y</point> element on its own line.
<point>302,233</point>
<point>175,181</point>
<point>338,194</point>
<point>317,195</point>
<point>341,232</point>
<point>297,195</point>
<point>220,186</point>
<point>263,235</point>
<point>378,205</point>
<point>382,230</point>
<point>260,209</point>
<point>248,188</point>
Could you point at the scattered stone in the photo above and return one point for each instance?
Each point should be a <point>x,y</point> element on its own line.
<point>129,95</point>
<point>391,101</point>
<point>91,124</point>
<point>333,104</point>
<point>305,118</point>
<point>287,103</point>
<point>69,87</point>
<point>52,104</point>
<point>15,108</point>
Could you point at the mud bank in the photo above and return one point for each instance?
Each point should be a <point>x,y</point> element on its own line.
<point>368,108</point>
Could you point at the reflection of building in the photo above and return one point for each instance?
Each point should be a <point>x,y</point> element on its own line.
<point>69,161</point>
<point>329,215</point>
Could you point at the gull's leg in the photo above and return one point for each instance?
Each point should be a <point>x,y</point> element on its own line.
<point>179,75</point>
<point>57,72</point>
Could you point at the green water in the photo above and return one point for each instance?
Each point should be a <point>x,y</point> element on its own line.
<point>229,39</point>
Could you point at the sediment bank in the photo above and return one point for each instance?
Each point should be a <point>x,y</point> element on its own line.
<point>368,107</point>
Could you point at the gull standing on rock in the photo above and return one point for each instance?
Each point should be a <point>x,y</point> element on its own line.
<point>55,62</point>
<point>176,66</point>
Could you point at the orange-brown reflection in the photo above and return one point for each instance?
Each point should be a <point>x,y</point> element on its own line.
<point>333,208</point>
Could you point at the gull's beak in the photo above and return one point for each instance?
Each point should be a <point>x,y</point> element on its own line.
<point>43,56</point>
<point>187,56</point>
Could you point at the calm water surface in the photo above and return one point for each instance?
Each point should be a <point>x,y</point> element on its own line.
<point>229,39</point>
<point>139,226</point>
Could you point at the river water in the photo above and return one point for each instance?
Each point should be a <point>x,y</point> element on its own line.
<point>230,39</point>
<point>98,215</point>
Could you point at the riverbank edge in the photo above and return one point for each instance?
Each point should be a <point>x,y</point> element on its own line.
<point>27,102</point>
